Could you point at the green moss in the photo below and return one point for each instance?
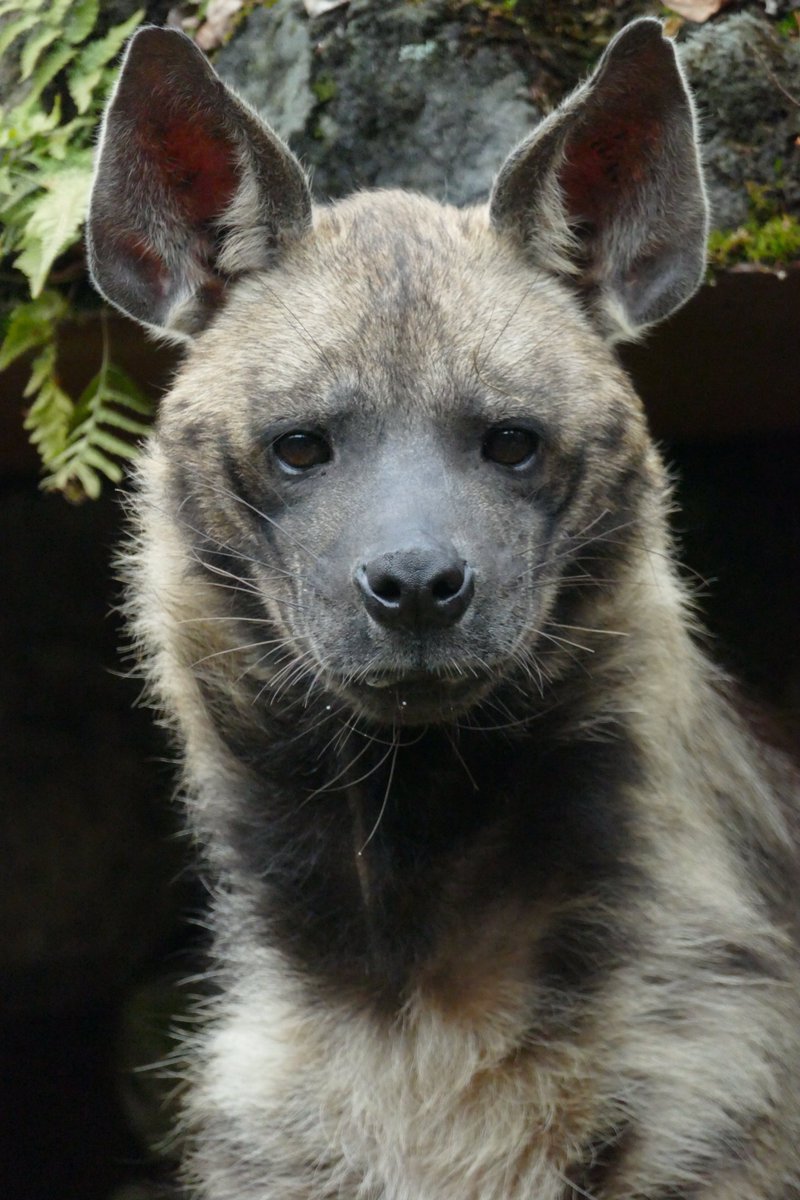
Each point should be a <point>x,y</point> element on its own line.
<point>789,26</point>
<point>775,243</point>
<point>324,88</point>
<point>769,236</point>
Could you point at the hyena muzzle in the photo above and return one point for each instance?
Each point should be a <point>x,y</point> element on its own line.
<point>504,883</point>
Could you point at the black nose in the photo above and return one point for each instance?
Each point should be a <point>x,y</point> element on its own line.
<point>416,588</point>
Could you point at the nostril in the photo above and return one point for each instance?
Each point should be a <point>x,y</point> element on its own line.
<point>448,584</point>
<point>386,587</point>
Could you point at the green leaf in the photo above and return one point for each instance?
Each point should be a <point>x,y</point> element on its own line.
<point>26,122</point>
<point>87,478</point>
<point>12,31</point>
<point>126,391</point>
<point>81,21</point>
<point>127,425</point>
<point>30,326</point>
<point>93,448</point>
<point>7,7</point>
<point>54,223</point>
<point>95,458</point>
<point>47,71</point>
<point>88,70</point>
<point>49,426</point>
<point>114,445</point>
<point>50,416</point>
<point>34,48</point>
<point>57,11</point>
<point>42,369</point>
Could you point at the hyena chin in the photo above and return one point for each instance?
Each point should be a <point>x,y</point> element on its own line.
<point>504,882</point>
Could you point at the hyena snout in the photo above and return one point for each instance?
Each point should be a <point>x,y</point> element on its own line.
<point>426,585</point>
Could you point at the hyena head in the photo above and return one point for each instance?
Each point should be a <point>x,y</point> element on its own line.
<point>400,426</point>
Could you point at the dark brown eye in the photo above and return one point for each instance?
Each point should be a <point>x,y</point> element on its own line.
<point>510,446</point>
<point>301,450</point>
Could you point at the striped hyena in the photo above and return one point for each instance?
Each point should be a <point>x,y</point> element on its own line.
<point>503,880</point>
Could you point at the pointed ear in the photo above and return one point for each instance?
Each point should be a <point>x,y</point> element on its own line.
<point>191,189</point>
<point>608,189</point>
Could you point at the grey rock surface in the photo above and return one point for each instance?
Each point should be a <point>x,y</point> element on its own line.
<point>746,79</point>
<point>384,98</point>
<point>269,64</point>
<point>409,95</point>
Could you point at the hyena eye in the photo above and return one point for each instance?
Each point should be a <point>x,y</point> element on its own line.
<point>301,450</point>
<point>510,446</point>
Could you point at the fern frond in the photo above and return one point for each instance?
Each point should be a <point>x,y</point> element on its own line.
<point>101,435</point>
<point>49,418</point>
<point>61,71</point>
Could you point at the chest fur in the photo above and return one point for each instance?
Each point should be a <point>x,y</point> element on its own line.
<point>481,1108</point>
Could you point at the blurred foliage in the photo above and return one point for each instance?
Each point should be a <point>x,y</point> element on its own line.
<point>63,69</point>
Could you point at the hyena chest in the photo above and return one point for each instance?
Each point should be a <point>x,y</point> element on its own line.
<point>419,1107</point>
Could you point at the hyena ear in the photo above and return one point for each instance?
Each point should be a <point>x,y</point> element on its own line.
<point>608,189</point>
<point>191,188</point>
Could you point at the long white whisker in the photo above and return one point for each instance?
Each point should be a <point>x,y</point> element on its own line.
<point>379,818</point>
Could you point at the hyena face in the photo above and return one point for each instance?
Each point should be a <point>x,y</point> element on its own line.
<point>403,427</point>
<point>407,484</point>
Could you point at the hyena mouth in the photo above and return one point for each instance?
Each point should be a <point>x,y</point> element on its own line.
<point>414,697</point>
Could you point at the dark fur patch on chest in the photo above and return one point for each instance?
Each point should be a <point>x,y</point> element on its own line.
<point>369,887</point>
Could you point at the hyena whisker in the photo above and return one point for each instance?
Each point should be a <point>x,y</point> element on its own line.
<point>590,629</point>
<point>372,737</point>
<point>313,683</point>
<point>229,587</point>
<point>231,495</point>
<point>230,617</point>
<point>337,743</point>
<point>327,714</point>
<point>288,676</point>
<point>239,648</point>
<point>537,280</point>
<point>242,584</point>
<point>298,683</point>
<point>562,641</point>
<point>223,549</point>
<point>531,669</point>
<point>295,669</point>
<point>555,650</point>
<point>385,800</point>
<point>250,584</point>
<point>328,786</point>
<point>293,317</point>
<point>460,757</point>
<point>269,569</point>
<point>574,549</point>
<point>469,724</point>
<point>275,658</point>
<point>374,769</point>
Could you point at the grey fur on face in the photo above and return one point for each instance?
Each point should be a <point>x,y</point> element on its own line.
<point>504,881</point>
